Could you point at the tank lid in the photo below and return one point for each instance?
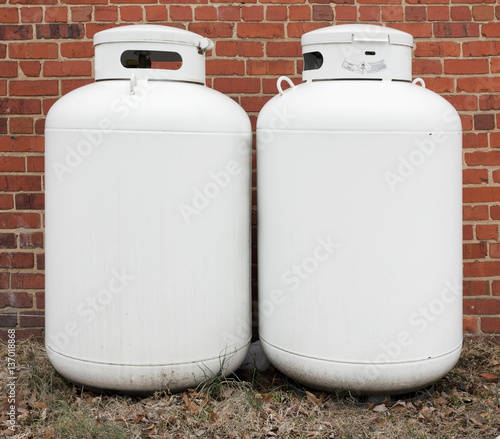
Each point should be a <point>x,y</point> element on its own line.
<point>350,33</point>
<point>152,33</point>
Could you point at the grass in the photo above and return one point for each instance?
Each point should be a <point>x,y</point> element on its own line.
<point>252,404</point>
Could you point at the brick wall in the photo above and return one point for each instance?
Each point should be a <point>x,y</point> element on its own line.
<point>46,51</point>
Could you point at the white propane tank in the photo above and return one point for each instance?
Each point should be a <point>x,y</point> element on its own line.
<point>359,213</point>
<point>148,219</point>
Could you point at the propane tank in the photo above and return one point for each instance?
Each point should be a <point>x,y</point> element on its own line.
<point>148,219</point>
<point>359,212</point>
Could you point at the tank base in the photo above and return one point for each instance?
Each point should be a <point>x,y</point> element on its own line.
<point>362,378</point>
<point>143,378</point>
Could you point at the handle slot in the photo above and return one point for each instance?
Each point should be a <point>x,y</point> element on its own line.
<point>151,59</point>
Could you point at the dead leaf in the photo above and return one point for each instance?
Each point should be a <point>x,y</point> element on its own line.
<point>441,401</point>
<point>399,406</point>
<point>213,417</point>
<point>190,405</point>
<point>312,398</point>
<point>488,376</point>
<point>380,408</point>
<point>49,434</point>
<point>139,418</point>
<point>476,420</point>
<point>39,405</point>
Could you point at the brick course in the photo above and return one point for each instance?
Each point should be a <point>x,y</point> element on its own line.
<point>46,51</point>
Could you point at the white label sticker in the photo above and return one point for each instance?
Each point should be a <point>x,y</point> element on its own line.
<point>363,66</point>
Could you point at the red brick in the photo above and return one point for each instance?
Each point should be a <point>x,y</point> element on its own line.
<point>475,213</point>
<point>427,66</point>
<point>68,85</point>
<point>9,15</point>
<point>33,88</point>
<point>296,30</point>
<point>478,84</point>
<point>56,14</point>
<point>17,260</point>
<point>60,31</point>
<point>440,85</point>
<point>373,2</point>
<point>481,48</point>
<point>15,32</point>
<point>81,14</point>
<point>495,140</point>
<point>31,68</point>
<point>12,164</point>
<point>131,13</point>
<point>31,15</point>
<point>486,231</point>
<point>418,30</point>
<point>3,121</point>
<point>20,125</point>
<point>467,232</point>
<point>345,13</point>
<point>470,325</point>
<point>466,66</point>
<point>494,250</point>
<point>35,164</point>
<point>181,13</point>
<point>490,325</point>
<point>34,318</point>
<point>106,13</point>
<point>3,51</point>
<point>226,13</point>
<point>78,49</point>
<point>456,30</point>
<point>496,176</point>
<point>484,121</point>
<point>476,288</point>
<point>391,13</point>
<point>322,13</point>
<point>481,269</point>
<point>474,251</point>
<point>239,48</point>
<point>481,306</point>
<point>481,194</point>
<point>4,281</point>
<point>208,13</point>
<point>261,30</point>
<point>40,300</point>
<point>67,68</point>
<point>490,30</point>
<point>40,261</point>
<point>156,13</point>
<point>33,50</point>
<point>19,220</point>
<point>225,67</point>
<point>438,13</point>
<point>16,300</point>
<point>460,13</point>
<point>464,103</point>
<point>8,69</point>
<point>8,240</point>
<point>31,240</point>
<point>369,13</point>
<point>237,85</point>
<point>270,67</point>
<point>483,13</point>
<point>212,30</point>
<point>27,281</point>
<point>283,1</point>
<point>276,13</point>
<point>252,13</point>
<point>14,183</point>
<point>437,49</point>
<point>489,102</point>
<point>495,65</point>
<point>30,201</point>
<point>284,49</point>
<point>254,104</point>
<point>39,129</point>
<point>416,13</point>
<point>20,106</point>
<point>495,288</point>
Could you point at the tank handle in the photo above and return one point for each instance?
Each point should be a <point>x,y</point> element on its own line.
<point>280,80</point>
<point>419,81</point>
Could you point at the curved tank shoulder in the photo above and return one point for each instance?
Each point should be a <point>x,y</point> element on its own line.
<point>148,106</point>
<point>359,106</point>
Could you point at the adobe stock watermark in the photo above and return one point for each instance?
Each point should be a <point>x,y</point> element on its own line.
<point>298,273</point>
<point>89,309</point>
<point>203,195</point>
<point>11,381</point>
<point>419,320</point>
<point>423,149</point>
<point>122,107</point>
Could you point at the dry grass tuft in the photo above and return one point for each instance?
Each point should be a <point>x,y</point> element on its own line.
<point>464,404</point>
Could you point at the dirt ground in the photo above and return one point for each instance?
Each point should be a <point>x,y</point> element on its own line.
<point>463,404</point>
